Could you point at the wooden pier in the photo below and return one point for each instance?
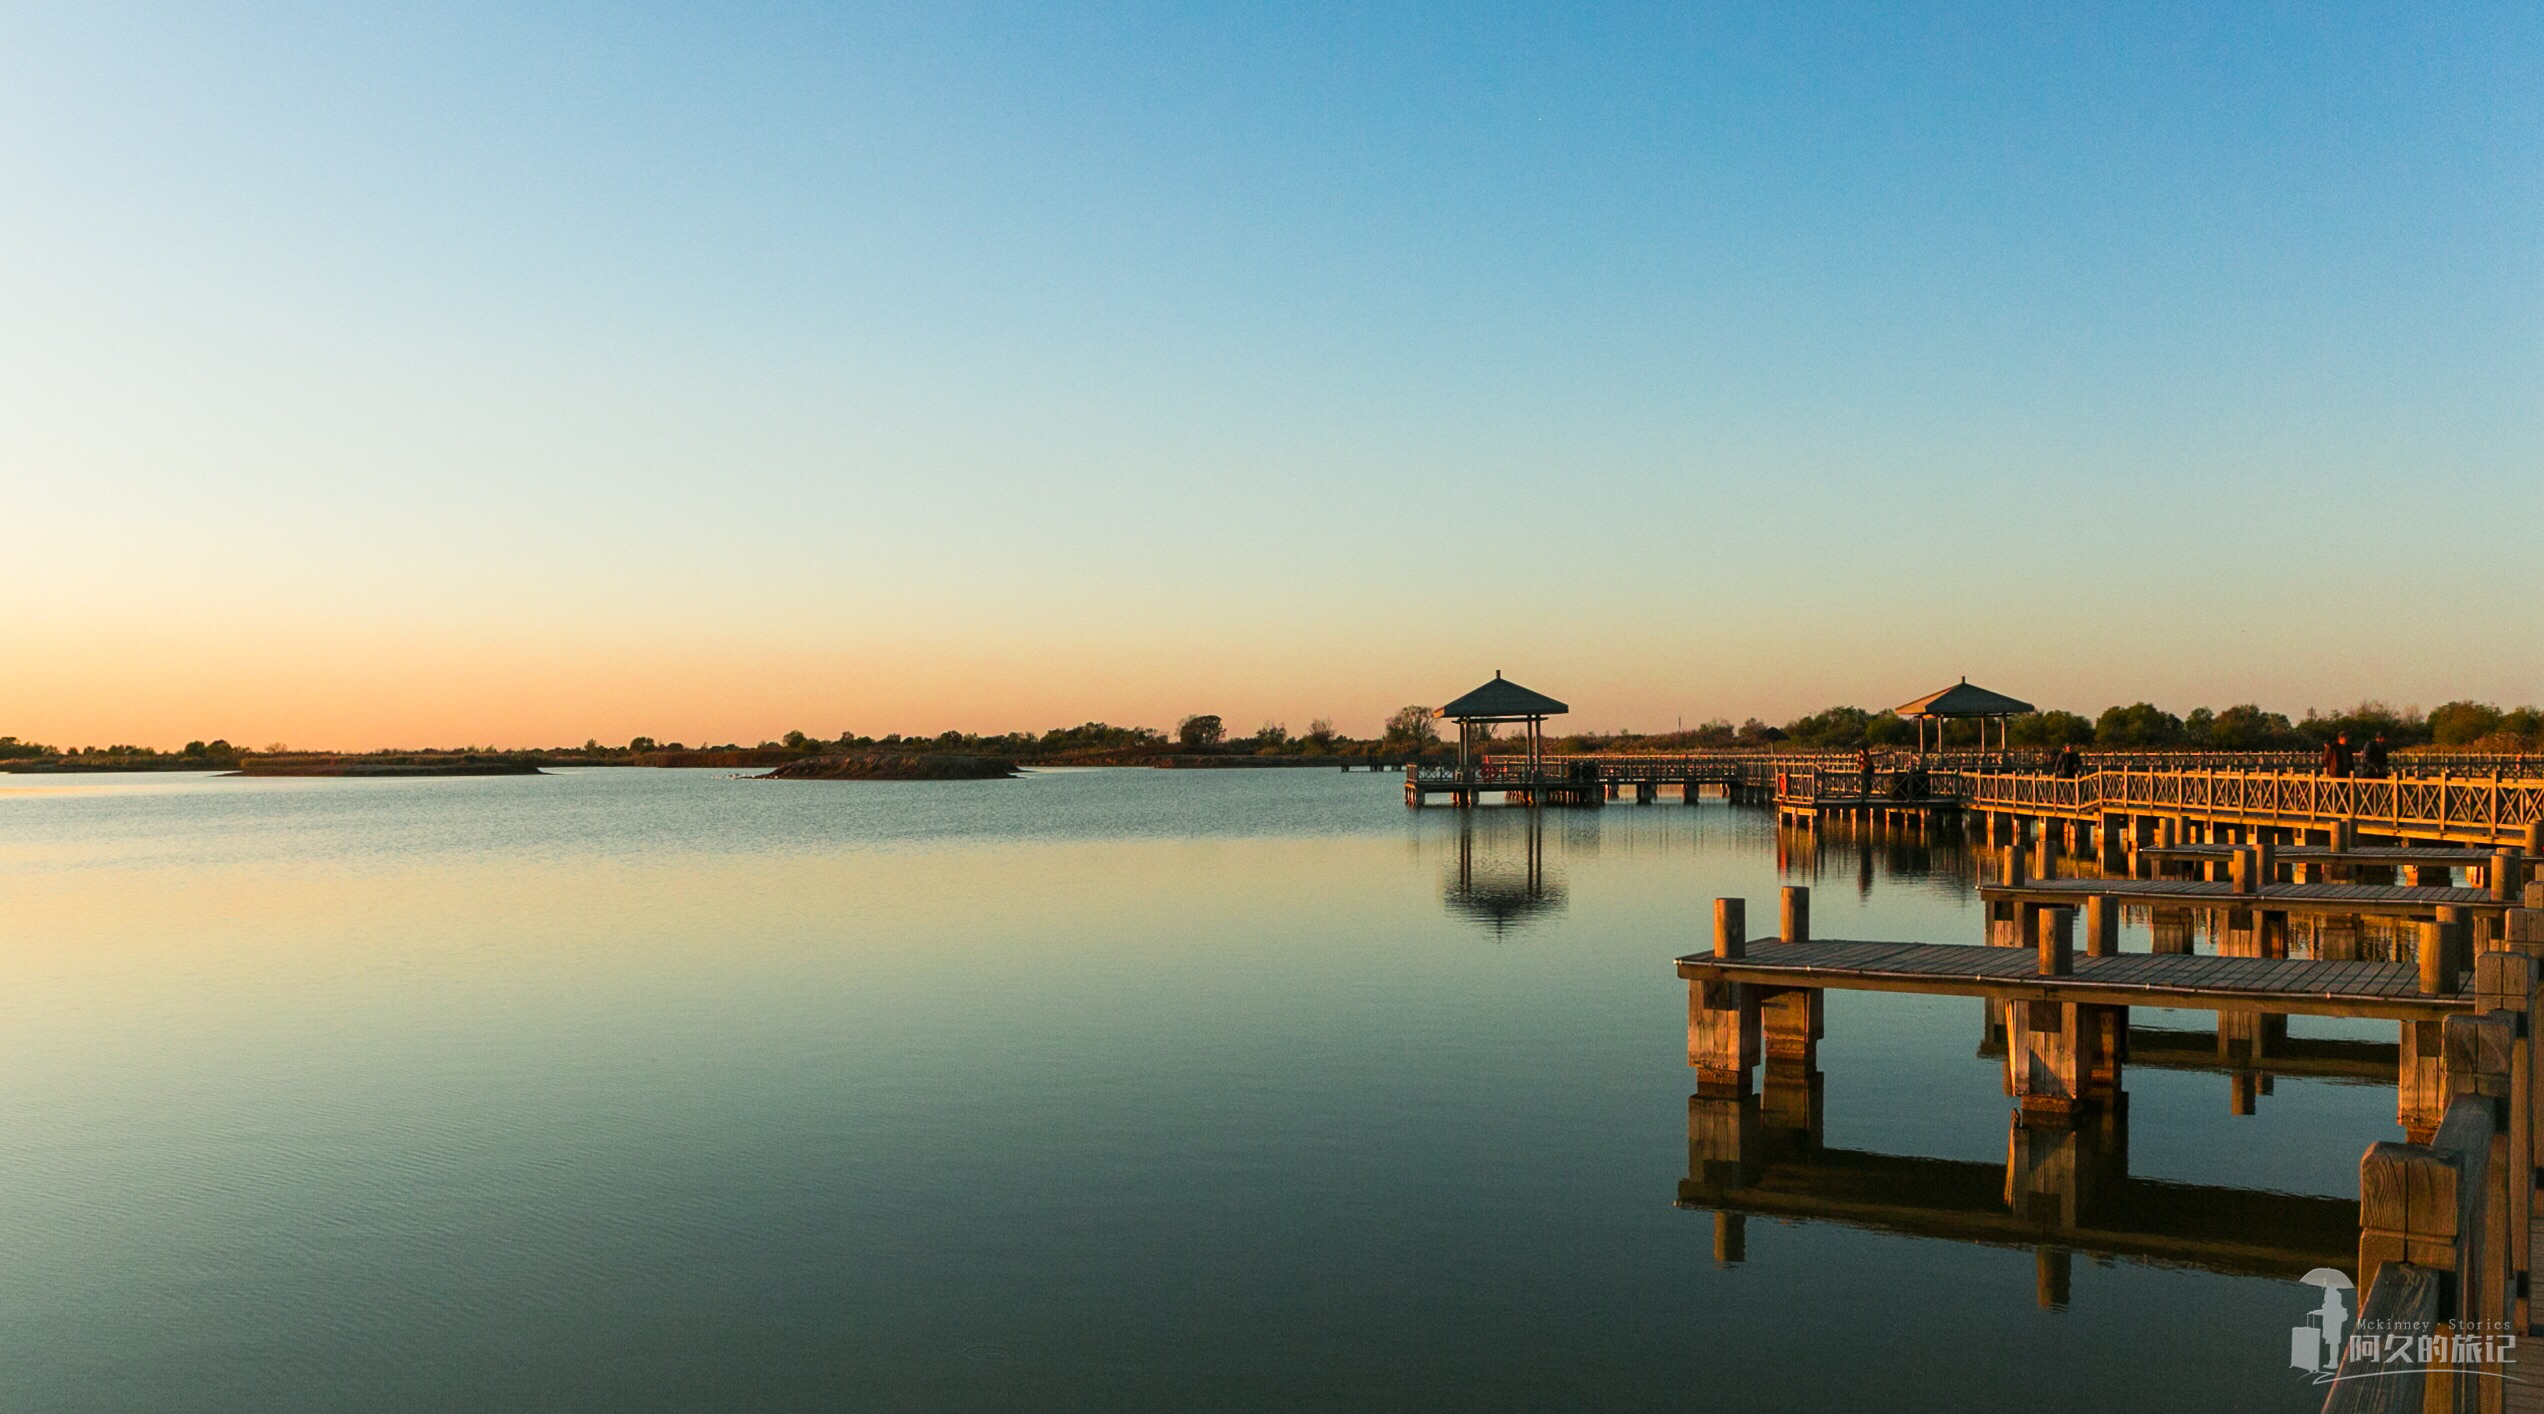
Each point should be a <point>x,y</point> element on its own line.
<point>2446,1223</point>
<point>2203,982</point>
<point>1586,781</point>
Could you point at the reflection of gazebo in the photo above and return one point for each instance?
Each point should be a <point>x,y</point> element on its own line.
<point>1502,700</point>
<point>1962,700</point>
<point>1492,894</point>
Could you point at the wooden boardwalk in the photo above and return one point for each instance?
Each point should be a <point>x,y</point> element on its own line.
<point>2199,982</point>
<point>2493,810</point>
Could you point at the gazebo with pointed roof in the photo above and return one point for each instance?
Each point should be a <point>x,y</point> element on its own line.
<point>1502,700</point>
<point>1962,700</point>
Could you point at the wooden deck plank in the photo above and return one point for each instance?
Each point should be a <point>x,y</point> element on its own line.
<point>2197,981</point>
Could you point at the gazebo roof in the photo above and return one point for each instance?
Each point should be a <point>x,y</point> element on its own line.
<point>1963,700</point>
<point>1502,700</point>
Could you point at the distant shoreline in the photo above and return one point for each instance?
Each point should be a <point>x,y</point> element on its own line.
<point>271,770</point>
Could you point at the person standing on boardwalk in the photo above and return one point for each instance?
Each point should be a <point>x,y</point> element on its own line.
<point>1864,767</point>
<point>2344,756</point>
<point>2375,759</point>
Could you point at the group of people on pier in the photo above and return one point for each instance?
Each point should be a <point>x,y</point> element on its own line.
<point>2340,759</point>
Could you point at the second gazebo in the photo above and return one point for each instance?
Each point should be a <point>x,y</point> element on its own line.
<point>1962,700</point>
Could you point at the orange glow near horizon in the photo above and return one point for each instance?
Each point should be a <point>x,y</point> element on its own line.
<point>345,689</point>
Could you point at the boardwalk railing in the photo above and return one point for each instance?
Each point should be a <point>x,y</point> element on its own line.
<point>2487,808</point>
<point>1809,785</point>
<point>1758,765</point>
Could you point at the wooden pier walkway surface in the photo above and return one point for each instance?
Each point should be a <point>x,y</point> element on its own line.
<point>2198,982</point>
<point>2325,854</point>
<point>2377,900</point>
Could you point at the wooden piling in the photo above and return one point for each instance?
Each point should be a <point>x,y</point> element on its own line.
<point>2437,960</point>
<point>2102,926</point>
<point>2057,941</point>
<point>1795,911</point>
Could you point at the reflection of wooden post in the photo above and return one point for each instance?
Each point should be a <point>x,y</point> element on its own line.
<point>2053,1277</point>
<point>1724,1148</point>
<point>2104,1031</point>
<point>1731,1238</point>
<point>1789,1109</point>
<point>2044,1179</point>
<point>2172,929</point>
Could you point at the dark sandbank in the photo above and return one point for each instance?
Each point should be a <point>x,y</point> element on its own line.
<point>893,766</point>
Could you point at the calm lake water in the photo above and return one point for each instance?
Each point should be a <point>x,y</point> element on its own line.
<point>1104,1090</point>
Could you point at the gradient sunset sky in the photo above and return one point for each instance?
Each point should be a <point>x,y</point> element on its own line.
<point>519,374</point>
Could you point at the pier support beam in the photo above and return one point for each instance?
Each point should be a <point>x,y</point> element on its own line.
<point>1723,1018</point>
<point>2420,1081</point>
<point>2062,1057</point>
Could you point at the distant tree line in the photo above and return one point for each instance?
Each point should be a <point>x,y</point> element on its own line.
<point>1411,732</point>
<point>2463,725</point>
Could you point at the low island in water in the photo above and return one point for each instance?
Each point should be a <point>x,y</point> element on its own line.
<point>894,766</point>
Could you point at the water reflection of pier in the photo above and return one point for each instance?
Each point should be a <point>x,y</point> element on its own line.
<point>1501,879</point>
<point>2059,1191</point>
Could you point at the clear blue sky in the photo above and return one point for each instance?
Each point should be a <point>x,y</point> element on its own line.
<point>531,372</point>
